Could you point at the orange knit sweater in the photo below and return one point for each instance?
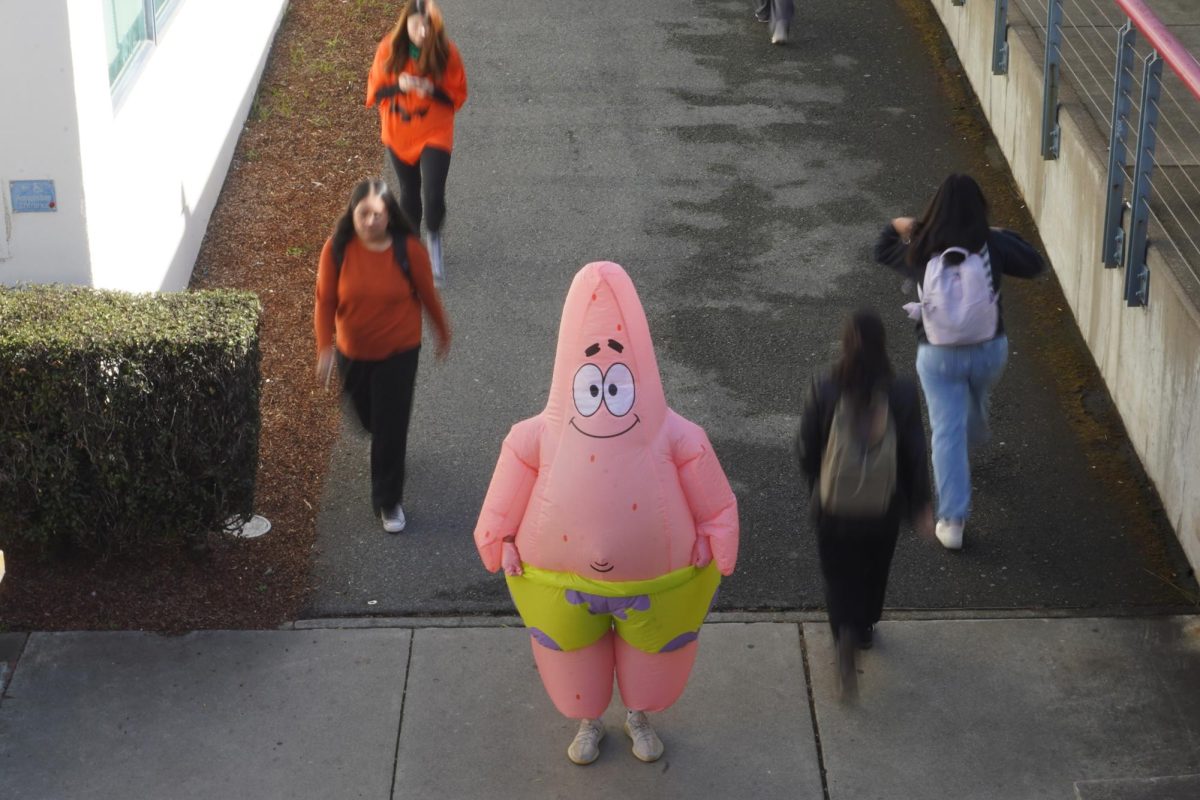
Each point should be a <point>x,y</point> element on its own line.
<point>370,303</point>
<point>409,122</point>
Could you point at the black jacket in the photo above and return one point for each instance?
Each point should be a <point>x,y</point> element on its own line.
<point>912,472</point>
<point>1009,254</point>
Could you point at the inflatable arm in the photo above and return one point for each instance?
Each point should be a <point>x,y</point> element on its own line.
<point>711,500</point>
<point>509,492</point>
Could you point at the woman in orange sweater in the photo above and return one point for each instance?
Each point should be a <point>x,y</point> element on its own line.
<point>418,82</point>
<point>373,281</point>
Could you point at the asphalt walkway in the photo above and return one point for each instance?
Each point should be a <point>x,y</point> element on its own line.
<point>742,186</point>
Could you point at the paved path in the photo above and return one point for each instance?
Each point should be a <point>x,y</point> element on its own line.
<point>742,186</point>
<point>988,709</point>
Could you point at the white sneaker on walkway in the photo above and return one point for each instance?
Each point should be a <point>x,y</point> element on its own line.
<point>950,534</point>
<point>646,744</point>
<point>779,34</point>
<point>585,747</point>
<point>393,519</point>
<point>433,243</point>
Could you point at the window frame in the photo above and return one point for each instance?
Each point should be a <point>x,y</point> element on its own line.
<point>157,23</point>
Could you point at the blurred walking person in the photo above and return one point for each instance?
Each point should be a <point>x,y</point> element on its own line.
<point>418,82</point>
<point>956,260</point>
<point>861,449</point>
<point>778,16</point>
<point>374,281</point>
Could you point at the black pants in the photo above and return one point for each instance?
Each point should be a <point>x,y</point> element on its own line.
<point>428,174</point>
<point>381,393</point>
<point>856,557</point>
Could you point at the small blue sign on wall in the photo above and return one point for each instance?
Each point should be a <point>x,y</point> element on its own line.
<point>32,196</point>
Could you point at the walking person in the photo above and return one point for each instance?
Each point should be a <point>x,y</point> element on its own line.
<point>418,82</point>
<point>373,282</point>
<point>861,449</point>
<point>778,16</point>
<point>956,260</point>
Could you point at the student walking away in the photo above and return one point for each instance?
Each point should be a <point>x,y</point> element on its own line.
<point>418,82</point>
<point>861,449</point>
<point>373,282</point>
<point>956,261</point>
<point>778,16</point>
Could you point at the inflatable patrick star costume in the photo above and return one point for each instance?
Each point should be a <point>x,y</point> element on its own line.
<point>612,519</point>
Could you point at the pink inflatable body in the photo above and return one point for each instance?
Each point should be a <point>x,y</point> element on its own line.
<point>605,511</point>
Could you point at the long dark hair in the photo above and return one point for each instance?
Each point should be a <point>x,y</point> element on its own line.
<point>957,216</point>
<point>864,367</point>
<point>398,225</point>
<point>435,50</point>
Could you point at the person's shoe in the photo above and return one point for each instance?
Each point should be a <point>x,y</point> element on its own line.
<point>393,519</point>
<point>780,34</point>
<point>585,747</point>
<point>761,17</point>
<point>866,638</point>
<point>433,243</point>
<point>950,534</point>
<point>847,672</point>
<point>646,744</point>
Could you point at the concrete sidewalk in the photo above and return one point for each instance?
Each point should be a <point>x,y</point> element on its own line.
<point>1003,708</point>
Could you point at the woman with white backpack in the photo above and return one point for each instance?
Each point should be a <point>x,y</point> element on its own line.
<point>956,260</point>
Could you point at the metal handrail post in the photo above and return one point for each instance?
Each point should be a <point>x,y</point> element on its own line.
<point>1113,244</point>
<point>1050,80</point>
<point>1137,275</point>
<point>1000,39</point>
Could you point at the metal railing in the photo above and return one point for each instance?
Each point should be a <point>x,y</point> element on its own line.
<point>1097,45</point>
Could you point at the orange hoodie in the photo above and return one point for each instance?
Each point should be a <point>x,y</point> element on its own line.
<point>408,121</point>
<point>370,303</point>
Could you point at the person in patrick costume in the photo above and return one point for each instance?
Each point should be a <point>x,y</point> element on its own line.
<point>612,519</point>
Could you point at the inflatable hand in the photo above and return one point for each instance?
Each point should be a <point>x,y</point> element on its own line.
<point>701,552</point>
<point>511,559</point>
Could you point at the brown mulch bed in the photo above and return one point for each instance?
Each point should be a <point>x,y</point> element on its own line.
<point>306,143</point>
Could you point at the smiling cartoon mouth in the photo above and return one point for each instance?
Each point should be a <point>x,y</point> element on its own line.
<point>602,566</point>
<point>636,420</point>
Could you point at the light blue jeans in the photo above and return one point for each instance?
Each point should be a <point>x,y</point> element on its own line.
<point>958,384</point>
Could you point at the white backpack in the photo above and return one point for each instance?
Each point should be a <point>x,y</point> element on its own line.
<point>958,303</point>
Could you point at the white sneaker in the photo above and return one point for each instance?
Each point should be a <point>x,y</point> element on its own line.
<point>646,744</point>
<point>393,519</point>
<point>585,747</point>
<point>950,534</point>
<point>433,243</point>
<point>779,34</point>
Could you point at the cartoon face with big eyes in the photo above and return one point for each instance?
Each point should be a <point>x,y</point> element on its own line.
<point>612,389</point>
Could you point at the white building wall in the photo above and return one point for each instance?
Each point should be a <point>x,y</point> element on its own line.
<point>151,165</point>
<point>39,140</point>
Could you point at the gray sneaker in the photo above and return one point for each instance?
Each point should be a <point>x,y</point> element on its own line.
<point>433,243</point>
<point>585,747</point>
<point>646,744</point>
<point>393,519</point>
<point>779,33</point>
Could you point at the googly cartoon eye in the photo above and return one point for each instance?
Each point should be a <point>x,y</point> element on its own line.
<point>618,390</point>
<point>588,389</point>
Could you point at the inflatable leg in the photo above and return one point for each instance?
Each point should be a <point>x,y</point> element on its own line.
<point>579,682</point>
<point>652,681</point>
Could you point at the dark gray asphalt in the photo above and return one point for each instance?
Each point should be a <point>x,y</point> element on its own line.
<point>741,185</point>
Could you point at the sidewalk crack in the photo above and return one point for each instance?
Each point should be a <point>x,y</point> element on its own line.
<point>412,640</point>
<point>812,712</point>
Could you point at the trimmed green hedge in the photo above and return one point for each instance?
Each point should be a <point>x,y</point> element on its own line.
<point>125,418</point>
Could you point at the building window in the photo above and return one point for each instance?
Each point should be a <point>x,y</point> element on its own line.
<point>130,28</point>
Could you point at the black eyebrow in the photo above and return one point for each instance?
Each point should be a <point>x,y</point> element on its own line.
<point>615,345</point>
<point>591,351</point>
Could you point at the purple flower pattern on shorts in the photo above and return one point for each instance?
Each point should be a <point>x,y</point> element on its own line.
<point>617,606</point>
<point>545,641</point>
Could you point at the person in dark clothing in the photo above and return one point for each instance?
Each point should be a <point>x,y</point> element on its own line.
<point>856,552</point>
<point>957,379</point>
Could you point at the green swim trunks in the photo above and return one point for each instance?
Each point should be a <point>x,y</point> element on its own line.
<point>565,611</point>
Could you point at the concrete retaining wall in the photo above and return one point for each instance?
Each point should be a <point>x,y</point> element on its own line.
<point>1149,357</point>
